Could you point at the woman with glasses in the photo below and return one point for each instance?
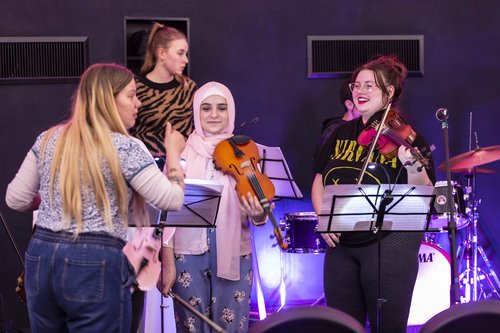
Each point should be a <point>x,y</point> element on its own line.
<point>351,274</point>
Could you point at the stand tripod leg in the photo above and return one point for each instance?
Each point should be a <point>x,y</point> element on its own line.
<point>460,255</point>
<point>465,278</point>
<point>496,285</point>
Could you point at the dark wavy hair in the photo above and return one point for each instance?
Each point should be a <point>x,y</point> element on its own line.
<point>388,70</point>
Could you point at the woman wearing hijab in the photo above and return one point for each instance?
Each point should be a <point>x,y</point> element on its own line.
<point>214,265</point>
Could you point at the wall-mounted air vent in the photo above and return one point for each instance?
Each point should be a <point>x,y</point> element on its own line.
<point>42,59</point>
<point>339,56</point>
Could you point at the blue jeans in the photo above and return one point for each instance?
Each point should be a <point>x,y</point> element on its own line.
<point>80,285</point>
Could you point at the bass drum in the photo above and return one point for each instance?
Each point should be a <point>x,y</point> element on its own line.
<point>431,294</point>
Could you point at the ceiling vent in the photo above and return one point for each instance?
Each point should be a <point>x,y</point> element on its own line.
<point>339,56</point>
<point>42,59</point>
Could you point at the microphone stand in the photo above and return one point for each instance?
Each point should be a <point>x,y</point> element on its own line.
<point>442,115</point>
<point>380,213</point>
<point>246,124</point>
<point>11,238</point>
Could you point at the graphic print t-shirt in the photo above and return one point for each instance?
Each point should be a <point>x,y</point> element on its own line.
<point>341,159</point>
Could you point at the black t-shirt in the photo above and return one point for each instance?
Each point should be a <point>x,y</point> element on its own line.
<point>341,159</point>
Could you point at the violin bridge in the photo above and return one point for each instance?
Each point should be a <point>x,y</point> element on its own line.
<point>245,164</point>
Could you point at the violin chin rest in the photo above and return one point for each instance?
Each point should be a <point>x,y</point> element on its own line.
<point>241,139</point>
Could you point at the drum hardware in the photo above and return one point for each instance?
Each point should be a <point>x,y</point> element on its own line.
<point>472,279</point>
<point>440,219</point>
<point>476,283</point>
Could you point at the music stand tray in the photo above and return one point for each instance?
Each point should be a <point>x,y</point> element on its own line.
<point>201,204</point>
<point>351,208</point>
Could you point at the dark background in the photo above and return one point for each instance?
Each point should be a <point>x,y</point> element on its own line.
<point>258,49</point>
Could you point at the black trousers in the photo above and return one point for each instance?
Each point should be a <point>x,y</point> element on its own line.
<point>351,280</point>
<point>137,309</point>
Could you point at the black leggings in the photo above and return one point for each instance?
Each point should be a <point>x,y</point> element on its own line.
<point>137,309</point>
<point>351,280</point>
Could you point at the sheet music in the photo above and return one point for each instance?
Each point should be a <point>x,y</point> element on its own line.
<point>274,165</point>
<point>199,186</point>
<point>355,209</point>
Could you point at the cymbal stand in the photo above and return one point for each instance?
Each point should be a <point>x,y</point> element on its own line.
<point>472,277</point>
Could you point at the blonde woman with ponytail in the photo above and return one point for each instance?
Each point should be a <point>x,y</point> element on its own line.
<point>88,173</point>
<point>165,93</point>
<point>166,96</point>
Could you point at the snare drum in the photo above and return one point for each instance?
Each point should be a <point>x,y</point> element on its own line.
<point>431,294</point>
<point>440,219</point>
<point>300,235</point>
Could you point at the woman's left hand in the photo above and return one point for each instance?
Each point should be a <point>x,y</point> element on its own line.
<point>408,160</point>
<point>251,206</point>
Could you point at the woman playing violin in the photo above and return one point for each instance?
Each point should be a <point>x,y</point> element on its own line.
<point>351,262</point>
<point>214,266</point>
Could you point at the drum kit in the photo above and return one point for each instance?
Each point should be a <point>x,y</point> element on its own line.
<point>434,275</point>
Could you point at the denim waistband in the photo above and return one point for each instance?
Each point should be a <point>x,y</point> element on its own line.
<point>92,238</point>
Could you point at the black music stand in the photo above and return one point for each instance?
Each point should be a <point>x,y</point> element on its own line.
<point>355,208</point>
<point>274,165</point>
<point>351,208</point>
<point>201,204</point>
<point>200,208</point>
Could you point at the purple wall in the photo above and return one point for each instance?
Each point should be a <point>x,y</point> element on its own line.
<point>258,48</point>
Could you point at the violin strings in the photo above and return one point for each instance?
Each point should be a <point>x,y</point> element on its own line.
<point>254,182</point>
<point>414,152</point>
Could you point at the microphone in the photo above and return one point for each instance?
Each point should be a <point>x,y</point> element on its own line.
<point>442,114</point>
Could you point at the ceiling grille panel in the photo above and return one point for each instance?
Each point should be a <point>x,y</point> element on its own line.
<point>339,56</point>
<point>42,59</point>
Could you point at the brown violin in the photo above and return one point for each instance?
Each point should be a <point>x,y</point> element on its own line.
<point>395,133</point>
<point>238,156</point>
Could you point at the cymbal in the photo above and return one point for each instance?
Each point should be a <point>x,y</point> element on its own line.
<point>476,170</point>
<point>471,159</point>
